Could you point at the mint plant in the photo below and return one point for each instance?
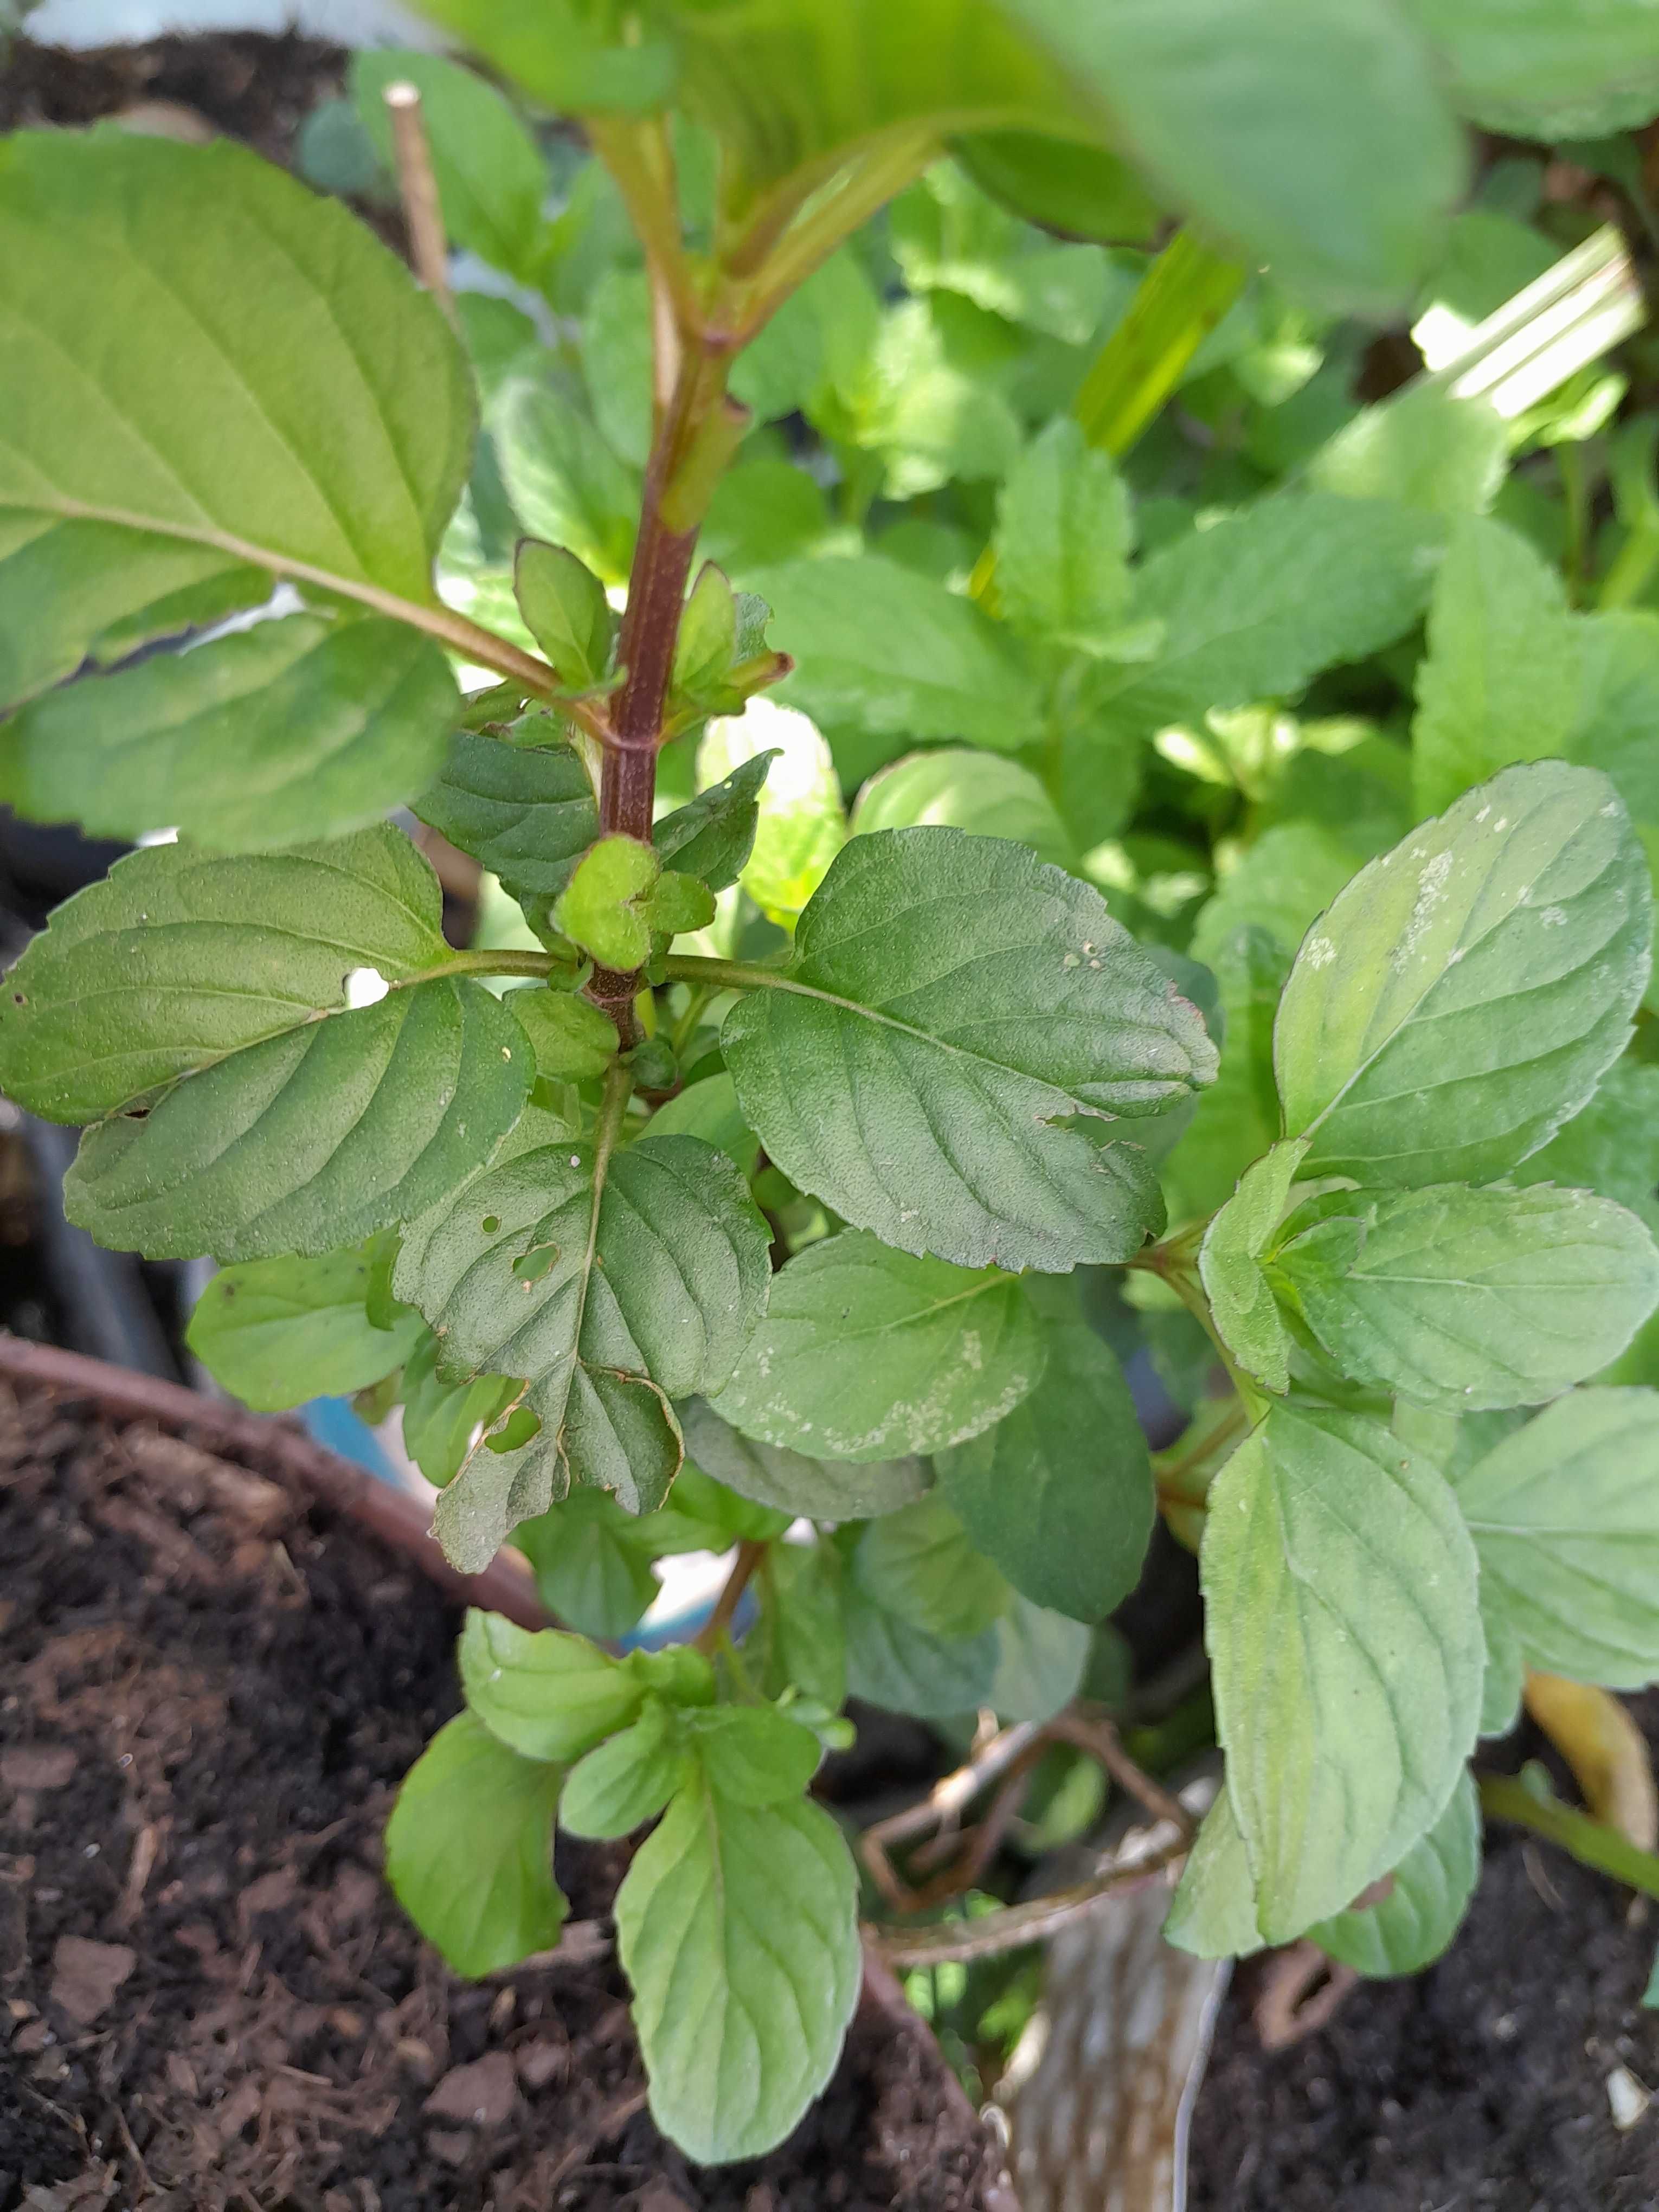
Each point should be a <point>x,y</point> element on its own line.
<point>769,1180</point>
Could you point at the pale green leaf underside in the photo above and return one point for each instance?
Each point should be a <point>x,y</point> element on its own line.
<point>175,960</point>
<point>546,1694</point>
<point>866,1353</point>
<point>470,1802</point>
<point>1564,1514</point>
<point>1059,1491</point>
<point>792,1482</point>
<point>736,1926</point>
<point>604,1319</point>
<point>942,1060</point>
<point>1409,1928</point>
<point>276,1332</point>
<point>1464,994</point>
<point>1543,70</point>
<point>142,345</point>
<point>1472,1299</point>
<point>1341,1621</point>
<point>1041,1657</point>
<point>920,1565</point>
<point>957,788</point>
<point>1213,1914</point>
<point>313,1138</point>
<point>292,730</point>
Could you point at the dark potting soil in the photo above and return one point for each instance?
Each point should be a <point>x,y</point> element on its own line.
<point>249,85</point>
<point>207,1996</point>
<point>1479,2086</point>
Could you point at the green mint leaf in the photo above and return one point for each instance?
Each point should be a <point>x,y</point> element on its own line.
<point>565,611</point>
<point>1502,677</point>
<point>1237,1118</point>
<point>1082,192</point>
<point>678,903</point>
<point>1255,607</point>
<point>708,1109</point>
<point>1213,1913</point>
<point>897,655</point>
<point>714,834</point>
<point>1545,72</point>
<point>753,1754</point>
<point>1463,996</point>
<point>799,1642</point>
<point>175,961</point>
<point>565,485</point>
<point>490,174</point>
<point>1408,1929</point>
<point>1000,1017</point>
<point>799,826</point>
<point>571,1040</point>
<point>626,1780</point>
<point>961,789</point>
<point>1316,136</point>
<point>725,1516</point>
<point>1284,882</point>
<point>919,1564</point>
<point>145,347</point>
<point>1064,531</point>
<point>948,236</point>
<point>1611,1148</point>
<point>559,50</point>
<point>606,1296</point>
<point>792,1482</point>
<point>912,401</point>
<point>469,1850</point>
<point>526,812</point>
<point>866,1353</point>
<point>1059,1491</point>
<point>1469,1299</point>
<point>1242,1302</point>
<point>292,730</point>
<point>320,1136</point>
<point>736,1926</point>
<point>546,1694</point>
<point>593,1562</point>
<point>441,1418</point>
<point>605,906</point>
<point>1341,1616</point>
<point>1040,1658</point>
<point>894,1664</point>
<point>1564,1520</point>
<point>1422,447</point>
<point>276,1332</point>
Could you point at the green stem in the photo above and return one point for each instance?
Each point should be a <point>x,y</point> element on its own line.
<point>858,193</point>
<point>686,1027</point>
<point>723,974</point>
<point>1181,298</point>
<point>1592,1843</point>
<point>503,962</point>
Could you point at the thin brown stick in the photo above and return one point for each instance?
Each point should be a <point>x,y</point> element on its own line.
<point>418,187</point>
<point>287,1454</point>
<point>750,1552</point>
<point>1099,1739</point>
<point>1030,1923</point>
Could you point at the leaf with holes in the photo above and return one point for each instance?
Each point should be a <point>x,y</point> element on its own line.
<point>607,1285</point>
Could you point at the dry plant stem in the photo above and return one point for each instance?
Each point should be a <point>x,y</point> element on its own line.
<point>750,1552</point>
<point>1033,1921</point>
<point>418,187</point>
<point>1099,1739</point>
<point>1301,1989</point>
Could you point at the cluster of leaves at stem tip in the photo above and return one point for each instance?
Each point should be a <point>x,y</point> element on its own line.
<point>755,1177</point>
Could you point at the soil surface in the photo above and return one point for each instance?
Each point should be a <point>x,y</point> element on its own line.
<point>207,1996</point>
<point>1479,2086</point>
<point>251,86</point>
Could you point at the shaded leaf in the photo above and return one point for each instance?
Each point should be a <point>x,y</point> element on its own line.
<point>276,1332</point>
